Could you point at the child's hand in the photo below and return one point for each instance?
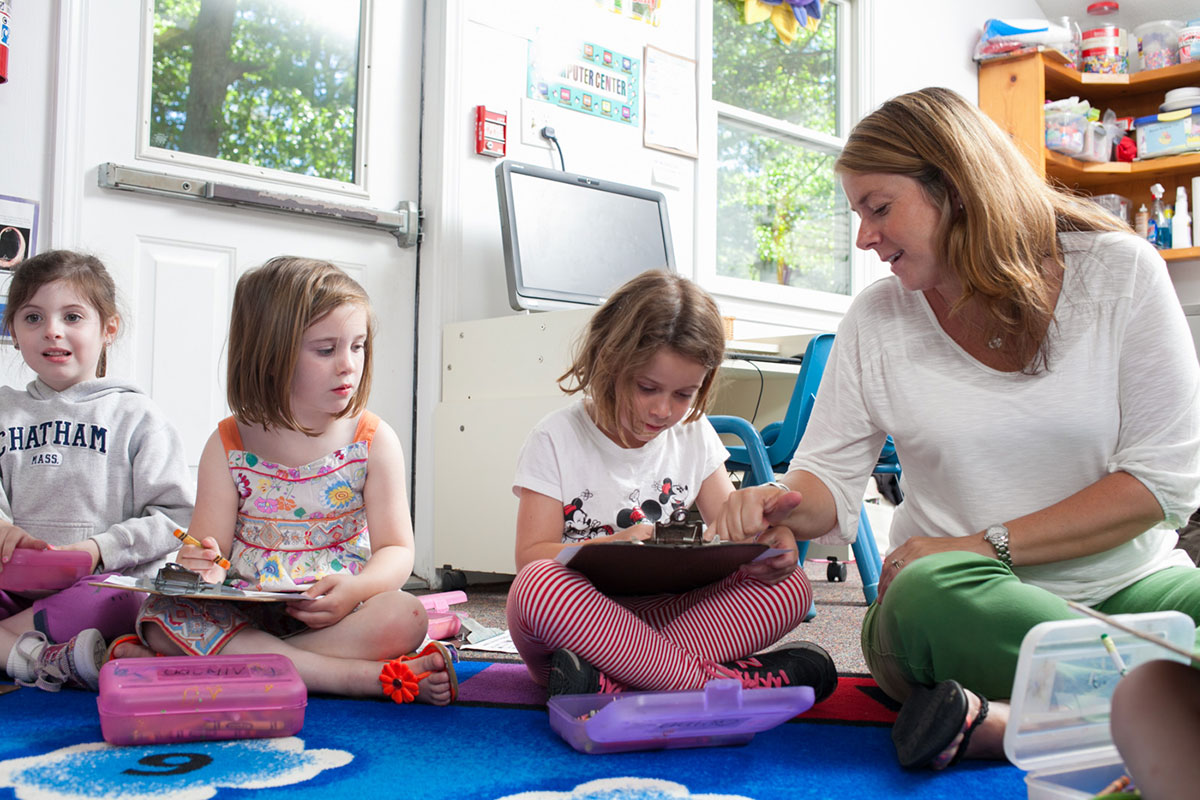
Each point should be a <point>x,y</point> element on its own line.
<point>326,602</point>
<point>200,559</point>
<point>634,533</point>
<point>777,568</point>
<point>12,537</point>
<point>88,546</point>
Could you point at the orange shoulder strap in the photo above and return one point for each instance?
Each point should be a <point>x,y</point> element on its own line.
<point>365,431</point>
<point>231,438</point>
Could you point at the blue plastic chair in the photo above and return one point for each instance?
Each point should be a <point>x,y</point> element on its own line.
<point>769,451</point>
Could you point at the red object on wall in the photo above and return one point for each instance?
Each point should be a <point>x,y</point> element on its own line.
<point>490,132</point>
<point>5,29</point>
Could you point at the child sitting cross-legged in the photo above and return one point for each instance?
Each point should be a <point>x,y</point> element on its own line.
<point>303,490</point>
<point>635,448</point>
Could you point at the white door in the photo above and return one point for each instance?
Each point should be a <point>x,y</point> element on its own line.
<point>176,260</point>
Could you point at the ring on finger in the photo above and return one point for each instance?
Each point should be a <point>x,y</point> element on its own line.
<point>897,563</point>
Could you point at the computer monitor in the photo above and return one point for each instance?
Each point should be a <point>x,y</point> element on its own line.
<point>571,240</point>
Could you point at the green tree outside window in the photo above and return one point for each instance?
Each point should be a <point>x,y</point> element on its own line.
<point>781,216</point>
<point>268,83</point>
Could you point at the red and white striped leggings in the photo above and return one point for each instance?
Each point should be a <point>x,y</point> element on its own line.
<point>657,642</point>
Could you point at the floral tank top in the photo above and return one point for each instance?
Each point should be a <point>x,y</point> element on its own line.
<point>295,525</point>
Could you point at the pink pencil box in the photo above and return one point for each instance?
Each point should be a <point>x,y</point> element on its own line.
<point>42,570</point>
<point>443,623</point>
<point>199,698</point>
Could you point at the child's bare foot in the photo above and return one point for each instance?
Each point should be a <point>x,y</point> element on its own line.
<point>435,688</point>
<point>128,646</point>
<point>427,677</point>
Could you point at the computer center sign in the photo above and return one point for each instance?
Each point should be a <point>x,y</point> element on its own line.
<point>596,80</point>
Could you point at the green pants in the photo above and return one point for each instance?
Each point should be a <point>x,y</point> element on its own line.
<point>963,616</point>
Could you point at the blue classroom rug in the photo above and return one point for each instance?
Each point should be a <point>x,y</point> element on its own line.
<point>51,749</point>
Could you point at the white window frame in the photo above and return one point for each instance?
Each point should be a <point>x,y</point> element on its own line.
<point>755,301</point>
<point>358,189</point>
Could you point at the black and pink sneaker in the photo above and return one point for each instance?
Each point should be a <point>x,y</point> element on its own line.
<point>799,664</point>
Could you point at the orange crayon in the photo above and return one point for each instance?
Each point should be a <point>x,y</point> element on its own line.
<point>187,538</point>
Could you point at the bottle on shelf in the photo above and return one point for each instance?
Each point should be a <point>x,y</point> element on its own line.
<point>1158,230</point>
<point>1181,222</point>
<point>1141,223</point>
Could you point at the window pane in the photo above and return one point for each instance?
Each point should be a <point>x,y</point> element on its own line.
<point>781,214</point>
<point>270,83</point>
<point>754,70</point>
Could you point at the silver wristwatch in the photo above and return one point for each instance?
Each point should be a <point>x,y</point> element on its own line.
<point>997,537</point>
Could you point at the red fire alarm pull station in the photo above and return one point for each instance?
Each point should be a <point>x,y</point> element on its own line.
<point>489,132</point>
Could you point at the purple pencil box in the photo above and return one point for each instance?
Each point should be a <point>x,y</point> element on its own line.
<point>43,570</point>
<point>200,698</point>
<point>721,713</point>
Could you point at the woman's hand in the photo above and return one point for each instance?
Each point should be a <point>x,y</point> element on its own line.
<point>776,568</point>
<point>747,513</point>
<point>327,601</point>
<point>201,560</point>
<point>921,546</point>
<point>12,537</point>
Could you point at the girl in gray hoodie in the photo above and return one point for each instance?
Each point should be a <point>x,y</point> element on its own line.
<point>87,463</point>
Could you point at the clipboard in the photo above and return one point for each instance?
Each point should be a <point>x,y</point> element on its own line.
<point>640,568</point>
<point>178,581</point>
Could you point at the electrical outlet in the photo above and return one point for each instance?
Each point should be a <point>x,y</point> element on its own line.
<point>534,117</point>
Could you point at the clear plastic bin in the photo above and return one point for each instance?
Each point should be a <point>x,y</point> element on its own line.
<point>1115,204</point>
<point>1158,43</point>
<point>1097,143</point>
<point>1065,132</point>
<point>721,713</point>
<point>1058,725</point>
<point>1169,133</point>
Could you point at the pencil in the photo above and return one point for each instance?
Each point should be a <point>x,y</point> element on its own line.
<point>187,538</point>
<point>1112,651</point>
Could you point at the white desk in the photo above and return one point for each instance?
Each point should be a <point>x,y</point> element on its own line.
<point>498,379</point>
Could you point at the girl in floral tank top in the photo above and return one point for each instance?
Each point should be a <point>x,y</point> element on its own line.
<point>295,525</point>
<point>288,494</point>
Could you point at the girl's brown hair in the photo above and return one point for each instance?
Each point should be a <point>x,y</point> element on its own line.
<point>1000,220</point>
<point>273,305</point>
<point>654,310</point>
<point>84,272</point>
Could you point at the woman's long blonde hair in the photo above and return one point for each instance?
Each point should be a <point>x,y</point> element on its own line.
<point>999,217</point>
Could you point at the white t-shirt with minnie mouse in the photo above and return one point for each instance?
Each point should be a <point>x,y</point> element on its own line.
<point>605,488</point>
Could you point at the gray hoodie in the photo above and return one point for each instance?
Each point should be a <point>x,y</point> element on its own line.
<point>98,460</point>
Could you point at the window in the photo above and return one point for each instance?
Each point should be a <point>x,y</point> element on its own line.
<point>781,115</point>
<point>271,85</point>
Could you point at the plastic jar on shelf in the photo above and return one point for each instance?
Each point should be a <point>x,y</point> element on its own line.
<point>1103,51</point>
<point>1189,42</point>
<point>1158,43</point>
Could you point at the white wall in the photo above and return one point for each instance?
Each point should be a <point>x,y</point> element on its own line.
<point>27,141</point>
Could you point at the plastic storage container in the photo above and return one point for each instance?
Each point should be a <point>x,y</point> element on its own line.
<point>443,623</point>
<point>1168,134</point>
<point>1065,132</point>
<point>1158,43</point>
<point>199,698</point>
<point>1058,728</point>
<point>44,570</point>
<point>1097,143</point>
<point>1103,50</point>
<point>1189,42</point>
<point>1115,204</point>
<point>721,713</point>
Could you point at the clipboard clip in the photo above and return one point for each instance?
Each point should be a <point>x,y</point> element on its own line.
<point>176,579</point>
<point>677,530</point>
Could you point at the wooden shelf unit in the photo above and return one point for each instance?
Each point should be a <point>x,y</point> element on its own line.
<point>1013,90</point>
